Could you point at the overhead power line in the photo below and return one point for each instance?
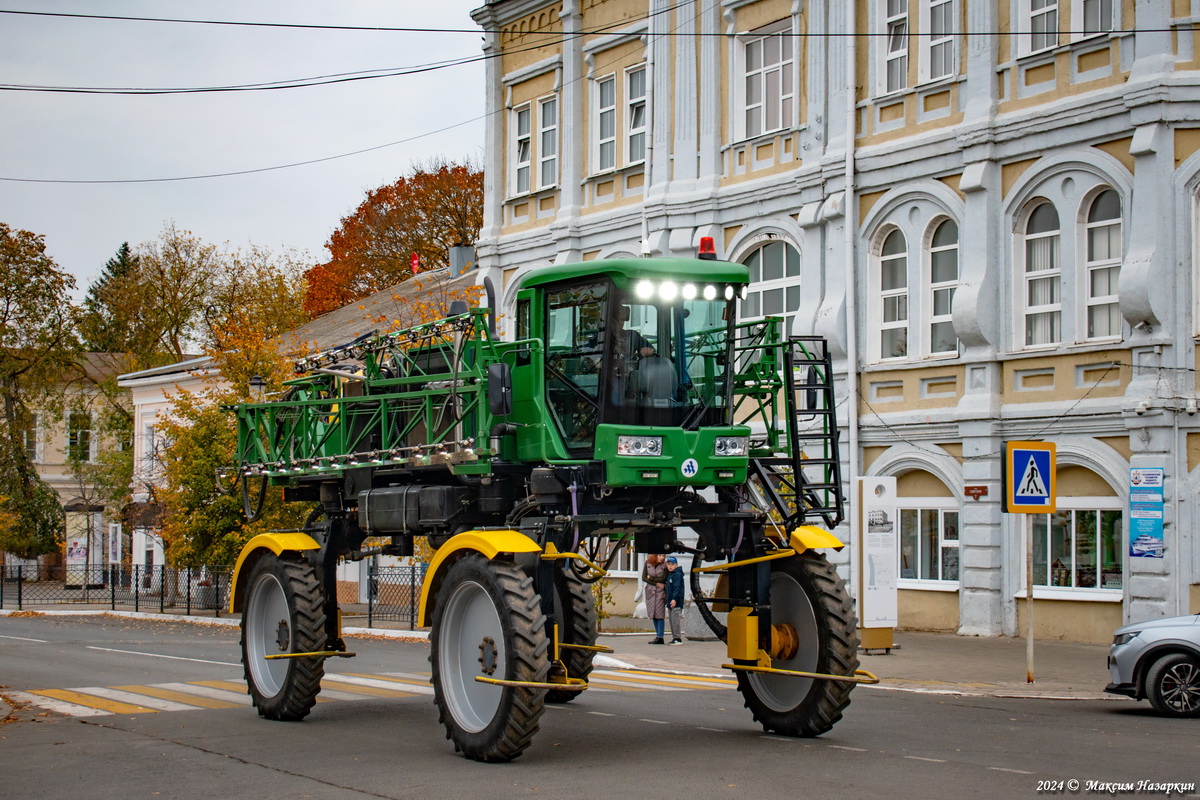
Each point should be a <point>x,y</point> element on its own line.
<point>233,173</point>
<point>320,80</point>
<point>477,31</point>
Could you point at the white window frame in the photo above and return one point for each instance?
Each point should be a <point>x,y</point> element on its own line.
<point>1106,17</point>
<point>933,44</point>
<point>91,436</point>
<point>883,296</point>
<point>949,537</point>
<point>601,109</point>
<point>632,104</point>
<point>1026,278</point>
<point>1046,16</point>
<point>1075,505</point>
<point>547,133</point>
<point>1089,266</point>
<point>932,288</point>
<point>785,70</point>
<point>522,162</point>
<point>151,465</point>
<point>38,454</point>
<point>893,47</point>
<point>787,284</point>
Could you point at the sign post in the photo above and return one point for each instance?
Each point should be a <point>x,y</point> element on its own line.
<point>878,595</point>
<point>1029,488</point>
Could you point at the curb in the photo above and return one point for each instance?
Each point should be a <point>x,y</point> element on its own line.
<point>94,612</point>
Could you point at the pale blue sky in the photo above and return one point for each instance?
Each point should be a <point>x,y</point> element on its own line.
<point>103,137</point>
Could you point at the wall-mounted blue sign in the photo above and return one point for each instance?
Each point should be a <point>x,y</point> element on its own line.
<point>1146,513</point>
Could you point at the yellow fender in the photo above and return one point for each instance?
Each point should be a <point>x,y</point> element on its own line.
<point>489,543</point>
<point>810,537</point>
<point>277,543</point>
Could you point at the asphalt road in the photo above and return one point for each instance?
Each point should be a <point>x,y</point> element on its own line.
<point>643,736</point>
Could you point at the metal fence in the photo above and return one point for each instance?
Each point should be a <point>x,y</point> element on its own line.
<point>192,591</point>
<point>199,591</point>
<point>393,595</point>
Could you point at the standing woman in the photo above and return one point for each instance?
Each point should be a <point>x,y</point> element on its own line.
<point>654,575</point>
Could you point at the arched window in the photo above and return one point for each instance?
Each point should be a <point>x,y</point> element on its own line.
<point>1102,266</point>
<point>774,283</point>
<point>1042,297</point>
<point>943,280</point>
<point>893,296</point>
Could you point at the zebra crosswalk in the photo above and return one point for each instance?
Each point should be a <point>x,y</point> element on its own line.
<point>94,701</point>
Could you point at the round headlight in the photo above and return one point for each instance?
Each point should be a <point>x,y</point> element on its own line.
<point>668,291</point>
<point>689,291</point>
<point>728,292</point>
<point>645,290</point>
<point>710,292</point>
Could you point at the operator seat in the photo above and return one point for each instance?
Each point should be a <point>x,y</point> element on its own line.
<point>655,382</point>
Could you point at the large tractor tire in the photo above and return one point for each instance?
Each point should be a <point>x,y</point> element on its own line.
<point>488,622</point>
<point>808,595</point>
<point>575,613</point>
<point>284,613</point>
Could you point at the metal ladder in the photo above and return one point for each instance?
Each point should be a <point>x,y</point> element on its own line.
<point>806,483</point>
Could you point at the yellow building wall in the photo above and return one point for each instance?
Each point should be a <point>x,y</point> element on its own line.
<point>1071,620</point>
<point>523,40</point>
<point>927,611</point>
<point>1065,378</point>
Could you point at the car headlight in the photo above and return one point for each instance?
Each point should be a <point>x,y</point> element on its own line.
<point>1124,638</point>
<point>639,445</point>
<point>731,445</point>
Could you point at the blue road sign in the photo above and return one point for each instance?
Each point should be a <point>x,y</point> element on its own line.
<point>1029,469</point>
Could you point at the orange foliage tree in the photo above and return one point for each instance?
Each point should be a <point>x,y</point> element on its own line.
<point>427,212</point>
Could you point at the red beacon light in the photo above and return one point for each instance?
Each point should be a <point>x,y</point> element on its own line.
<point>708,250</point>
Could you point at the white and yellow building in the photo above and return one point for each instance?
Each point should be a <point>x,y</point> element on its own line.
<point>990,208</point>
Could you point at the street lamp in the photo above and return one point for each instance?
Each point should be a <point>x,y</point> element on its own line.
<point>258,388</point>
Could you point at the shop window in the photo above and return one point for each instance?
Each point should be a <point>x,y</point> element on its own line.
<point>1079,549</point>
<point>929,544</point>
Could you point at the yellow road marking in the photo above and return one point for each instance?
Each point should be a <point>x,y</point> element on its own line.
<point>354,688</point>
<point>240,688</point>
<point>91,701</point>
<point>389,679</point>
<point>723,681</point>
<point>178,697</point>
<point>624,680</point>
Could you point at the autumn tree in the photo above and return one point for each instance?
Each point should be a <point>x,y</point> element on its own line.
<point>37,347</point>
<point>254,298</point>
<point>428,211</point>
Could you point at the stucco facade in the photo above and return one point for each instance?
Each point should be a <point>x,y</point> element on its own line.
<point>989,209</point>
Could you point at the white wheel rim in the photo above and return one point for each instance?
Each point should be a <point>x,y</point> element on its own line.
<point>470,618</point>
<point>789,606</point>
<point>267,622</point>
<point>1180,688</point>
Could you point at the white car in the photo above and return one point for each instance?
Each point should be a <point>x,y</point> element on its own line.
<point>1158,660</point>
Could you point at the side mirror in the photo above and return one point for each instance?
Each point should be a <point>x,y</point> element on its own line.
<point>499,390</point>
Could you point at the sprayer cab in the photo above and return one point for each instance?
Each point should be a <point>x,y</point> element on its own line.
<point>628,412</point>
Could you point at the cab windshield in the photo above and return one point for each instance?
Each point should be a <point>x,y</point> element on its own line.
<point>657,355</point>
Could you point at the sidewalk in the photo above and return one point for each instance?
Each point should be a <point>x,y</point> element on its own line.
<point>924,662</point>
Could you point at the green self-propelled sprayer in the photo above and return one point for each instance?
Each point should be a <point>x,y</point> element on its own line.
<point>629,405</point>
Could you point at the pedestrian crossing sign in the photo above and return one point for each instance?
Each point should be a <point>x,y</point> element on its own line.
<point>1029,485</point>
